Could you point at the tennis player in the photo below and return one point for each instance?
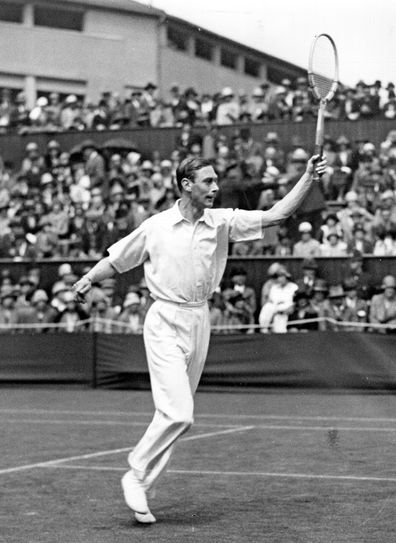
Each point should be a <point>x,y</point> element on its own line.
<point>184,253</point>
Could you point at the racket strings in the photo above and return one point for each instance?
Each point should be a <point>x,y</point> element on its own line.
<point>323,84</point>
<point>323,66</point>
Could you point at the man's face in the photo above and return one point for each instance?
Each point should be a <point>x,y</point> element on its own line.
<point>389,293</point>
<point>204,187</point>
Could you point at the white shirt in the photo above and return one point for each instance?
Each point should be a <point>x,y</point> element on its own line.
<point>184,262</point>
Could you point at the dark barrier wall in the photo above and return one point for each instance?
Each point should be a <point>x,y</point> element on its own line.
<point>163,140</point>
<point>331,269</point>
<point>57,357</point>
<point>319,359</point>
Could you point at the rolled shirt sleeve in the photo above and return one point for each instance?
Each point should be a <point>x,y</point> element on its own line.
<point>130,251</point>
<point>246,225</point>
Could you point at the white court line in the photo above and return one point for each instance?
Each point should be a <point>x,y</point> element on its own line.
<point>241,473</point>
<point>205,425</point>
<point>112,451</point>
<point>106,423</point>
<point>198,415</point>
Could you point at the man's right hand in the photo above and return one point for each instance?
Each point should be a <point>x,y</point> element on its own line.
<point>81,289</point>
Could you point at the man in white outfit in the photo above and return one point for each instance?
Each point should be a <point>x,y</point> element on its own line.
<point>184,252</point>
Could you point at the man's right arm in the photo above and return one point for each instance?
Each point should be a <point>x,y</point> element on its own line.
<point>102,270</point>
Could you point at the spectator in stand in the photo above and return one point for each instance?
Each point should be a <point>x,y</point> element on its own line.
<point>43,312</point>
<point>308,246</point>
<point>309,276</point>
<point>236,316</point>
<point>33,167</point>
<point>103,315</point>
<point>38,116</point>
<point>385,243</point>
<point>70,117</point>
<point>71,315</point>
<point>94,164</point>
<point>272,277</point>
<point>247,299</point>
<point>279,109</point>
<point>258,107</point>
<point>330,224</point>
<point>130,321</point>
<point>303,310</point>
<point>319,295</point>
<point>360,240</point>
<point>8,311</point>
<point>216,312</point>
<point>333,309</point>
<point>356,309</point>
<point>346,215</point>
<point>333,245</point>
<point>54,110</point>
<point>228,110</point>
<point>275,312</point>
<point>383,306</point>
<point>354,269</point>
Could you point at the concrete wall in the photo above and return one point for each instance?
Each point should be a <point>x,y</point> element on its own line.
<point>204,76</point>
<point>116,50</point>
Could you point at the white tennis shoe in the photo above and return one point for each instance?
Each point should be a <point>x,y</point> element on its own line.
<point>145,518</point>
<point>134,493</point>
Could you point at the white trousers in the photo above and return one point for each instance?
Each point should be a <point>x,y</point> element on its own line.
<point>176,340</point>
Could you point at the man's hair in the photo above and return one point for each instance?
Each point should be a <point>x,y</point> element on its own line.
<point>188,167</point>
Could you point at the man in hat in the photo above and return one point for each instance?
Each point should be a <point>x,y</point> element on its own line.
<point>184,251</point>
<point>333,309</point>
<point>383,306</point>
<point>356,309</point>
<point>94,164</point>
<point>354,268</point>
<point>238,277</point>
<point>309,275</point>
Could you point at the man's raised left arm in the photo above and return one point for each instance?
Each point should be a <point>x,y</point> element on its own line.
<point>288,205</point>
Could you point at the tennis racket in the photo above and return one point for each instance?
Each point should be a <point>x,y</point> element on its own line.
<point>323,80</point>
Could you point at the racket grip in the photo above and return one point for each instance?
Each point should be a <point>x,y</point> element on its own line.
<point>318,151</point>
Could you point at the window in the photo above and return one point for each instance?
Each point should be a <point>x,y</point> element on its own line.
<point>177,39</point>
<point>203,49</point>
<point>58,18</point>
<point>252,67</point>
<point>11,13</point>
<point>228,59</point>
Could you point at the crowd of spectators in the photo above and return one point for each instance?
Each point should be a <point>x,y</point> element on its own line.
<point>291,101</point>
<point>286,304</point>
<point>73,204</point>
<point>59,204</point>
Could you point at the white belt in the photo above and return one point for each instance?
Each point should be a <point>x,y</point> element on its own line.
<point>181,304</point>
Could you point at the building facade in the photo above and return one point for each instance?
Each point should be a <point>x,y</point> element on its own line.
<point>92,46</point>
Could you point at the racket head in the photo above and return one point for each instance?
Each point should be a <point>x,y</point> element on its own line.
<point>323,67</point>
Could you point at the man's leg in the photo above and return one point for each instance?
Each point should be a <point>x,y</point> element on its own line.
<point>175,369</point>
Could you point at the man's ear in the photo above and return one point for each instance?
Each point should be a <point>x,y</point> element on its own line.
<point>186,184</point>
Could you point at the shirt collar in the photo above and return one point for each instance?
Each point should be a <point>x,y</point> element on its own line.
<point>177,217</point>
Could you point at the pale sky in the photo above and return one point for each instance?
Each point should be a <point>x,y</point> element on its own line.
<point>364,30</point>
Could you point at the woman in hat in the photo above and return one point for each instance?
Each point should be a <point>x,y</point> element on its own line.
<point>131,319</point>
<point>280,304</point>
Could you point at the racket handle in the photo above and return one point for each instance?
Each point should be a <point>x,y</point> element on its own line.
<point>319,136</point>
